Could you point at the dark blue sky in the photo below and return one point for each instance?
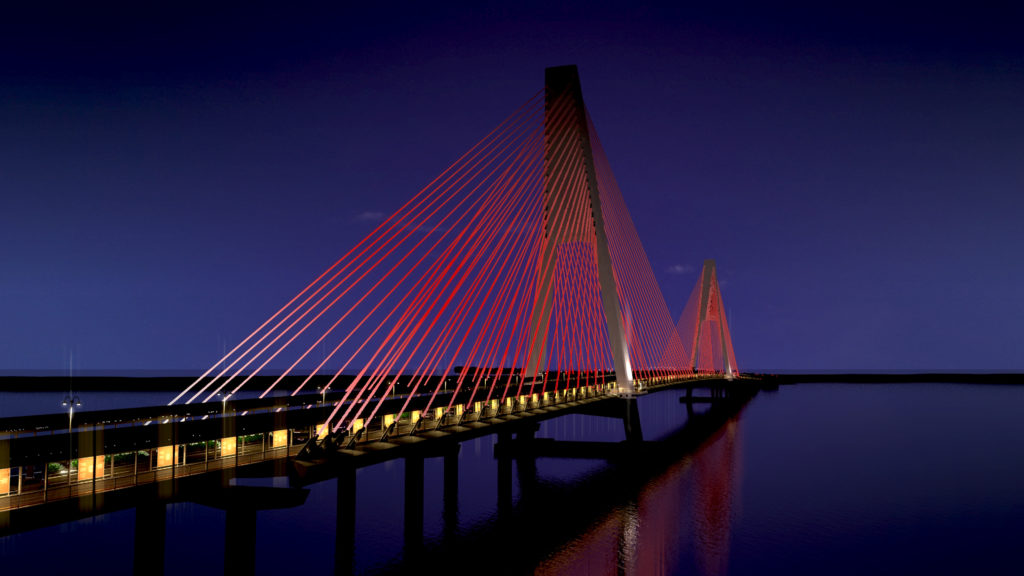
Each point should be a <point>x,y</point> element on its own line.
<point>169,176</point>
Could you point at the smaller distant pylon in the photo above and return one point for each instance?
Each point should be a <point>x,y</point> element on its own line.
<point>704,329</point>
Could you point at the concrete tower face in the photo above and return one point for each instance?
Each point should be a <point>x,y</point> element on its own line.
<point>567,145</point>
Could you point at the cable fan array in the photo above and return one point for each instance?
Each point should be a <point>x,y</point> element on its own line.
<point>654,344</point>
<point>445,292</point>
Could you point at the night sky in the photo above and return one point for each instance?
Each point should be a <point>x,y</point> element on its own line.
<point>171,173</point>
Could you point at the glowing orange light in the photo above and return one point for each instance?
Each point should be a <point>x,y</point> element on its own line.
<point>164,456</point>
<point>279,439</point>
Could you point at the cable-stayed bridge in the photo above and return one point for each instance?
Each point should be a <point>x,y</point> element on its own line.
<point>511,289</point>
<point>515,272</point>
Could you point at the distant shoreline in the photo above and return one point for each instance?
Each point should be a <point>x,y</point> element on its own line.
<point>897,378</point>
<point>163,383</point>
<point>148,383</point>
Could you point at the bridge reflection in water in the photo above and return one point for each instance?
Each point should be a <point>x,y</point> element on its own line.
<point>691,503</point>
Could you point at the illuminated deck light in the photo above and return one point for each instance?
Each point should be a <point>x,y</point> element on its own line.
<point>279,439</point>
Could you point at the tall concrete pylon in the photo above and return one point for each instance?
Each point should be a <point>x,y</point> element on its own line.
<point>711,318</point>
<point>567,143</point>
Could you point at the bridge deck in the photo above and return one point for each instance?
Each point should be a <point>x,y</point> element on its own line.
<point>52,490</point>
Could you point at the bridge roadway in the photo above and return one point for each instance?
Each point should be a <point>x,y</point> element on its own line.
<point>160,454</point>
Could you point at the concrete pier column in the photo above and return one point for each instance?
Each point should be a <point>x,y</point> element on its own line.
<point>240,541</point>
<point>451,491</point>
<point>413,506</point>
<point>526,462</point>
<point>631,421</point>
<point>150,538</point>
<point>345,533</point>
<point>504,476</point>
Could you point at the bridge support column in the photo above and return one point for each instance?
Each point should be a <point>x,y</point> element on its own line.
<point>345,531</point>
<point>504,477</point>
<point>526,467</point>
<point>413,506</point>
<point>451,492</point>
<point>240,541</point>
<point>631,421</point>
<point>150,538</point>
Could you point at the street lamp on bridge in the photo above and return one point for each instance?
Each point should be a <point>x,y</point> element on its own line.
<point>224,403</point>
<point>70,401</point>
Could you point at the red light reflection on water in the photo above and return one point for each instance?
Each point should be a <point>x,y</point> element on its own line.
<point>682,520</point>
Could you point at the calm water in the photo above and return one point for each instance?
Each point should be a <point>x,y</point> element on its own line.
<point>813,479</point>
